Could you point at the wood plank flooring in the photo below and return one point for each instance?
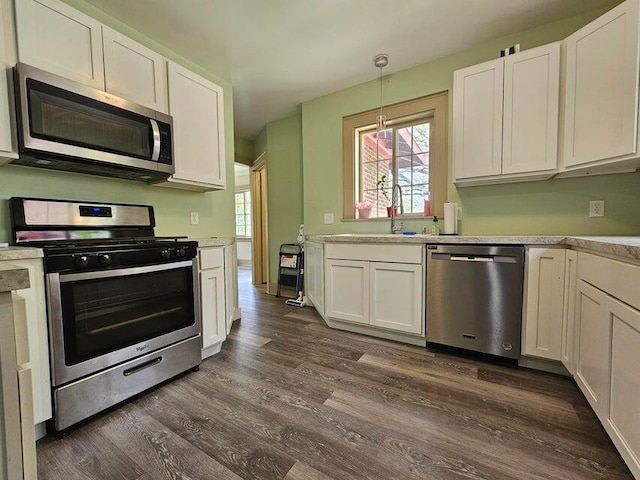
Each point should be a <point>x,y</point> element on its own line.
<point>289,398</point>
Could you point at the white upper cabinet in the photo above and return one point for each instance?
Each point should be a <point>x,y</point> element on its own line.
<point>505,118</point>
<point>8,148</point>
<point>59,39</point>
<point>477,120</point>
<point>196,106</point>
<point>601,93</point>
<point>54,37</point>
<point>133,71</point>
<point>531,100</point>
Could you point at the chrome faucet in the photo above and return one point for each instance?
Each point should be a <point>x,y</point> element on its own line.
<point>396,201</point>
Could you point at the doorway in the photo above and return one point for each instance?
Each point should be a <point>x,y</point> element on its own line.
<point>260,251</point>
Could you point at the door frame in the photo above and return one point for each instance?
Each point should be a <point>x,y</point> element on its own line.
<point>260,221</point>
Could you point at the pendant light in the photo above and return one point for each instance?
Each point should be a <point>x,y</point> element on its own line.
<point>380,61</point>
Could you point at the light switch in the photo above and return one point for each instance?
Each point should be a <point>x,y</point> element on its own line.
<point>328,218</point>
<point>195,218</point>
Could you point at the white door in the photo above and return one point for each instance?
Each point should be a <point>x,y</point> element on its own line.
<point>593,356</point>
<point>347,290</point>
<point>601,98</point>
<point>624,410</point>
<point>7,144</point>
<point>59,39</point>
<point>212,300</point>
<point>544,302</point>
<point>477,120</point>
<point>531,101</point>
<point>133,71</point>
<point>196,106</point>
<point>569,310</point>
<point>396,291</point>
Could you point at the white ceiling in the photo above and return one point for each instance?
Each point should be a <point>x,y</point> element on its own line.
<point>280,53</point>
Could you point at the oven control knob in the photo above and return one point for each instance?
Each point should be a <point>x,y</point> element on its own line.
<point>104,259</point>
<point>81,261</point>
<point>166,253</point>
<point>181,252</point>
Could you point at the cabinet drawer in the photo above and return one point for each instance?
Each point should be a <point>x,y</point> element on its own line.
<point>619,279</point>
<point>375,253</point>
<point>211,258</point>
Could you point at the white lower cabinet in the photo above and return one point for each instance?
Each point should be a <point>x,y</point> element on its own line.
<point>366,286</point>
<point>347,287</point>
<point>569,310</point>
<point>34,309</point>
<point>230,285</point>
<point>623,423</point>
<point>593,330</point>
<point>544,302</point>
<point>314,274</point>
<point>396,296</point>
<point>212,299</point>
<point>607,342</point>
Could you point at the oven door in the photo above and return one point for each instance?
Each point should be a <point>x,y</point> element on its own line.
<point>99,319</point>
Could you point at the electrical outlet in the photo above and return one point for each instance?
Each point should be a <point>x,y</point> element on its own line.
<point>195,218</point>
<point>328,218</point>
<point>596,208</point>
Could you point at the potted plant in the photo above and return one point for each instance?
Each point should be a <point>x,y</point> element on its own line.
<point>382,183</point>
<point>364,209</point>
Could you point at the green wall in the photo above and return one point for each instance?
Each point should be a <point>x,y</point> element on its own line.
<point>543,207</point>
<point>282,141</point>
<point>243,147</point>
<point>172,206</point>
<point>284,185</point>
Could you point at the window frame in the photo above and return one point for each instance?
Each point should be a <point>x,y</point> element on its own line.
<point>246,216</point>
<point>435,106</point>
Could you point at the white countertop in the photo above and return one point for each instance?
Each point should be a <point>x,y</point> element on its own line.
<point>625,247</point>
<point>13,277</point>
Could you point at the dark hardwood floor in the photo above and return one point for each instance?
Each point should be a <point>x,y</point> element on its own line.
<point>290,398</point>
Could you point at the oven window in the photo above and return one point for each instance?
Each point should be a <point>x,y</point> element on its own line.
<point>106,314</point>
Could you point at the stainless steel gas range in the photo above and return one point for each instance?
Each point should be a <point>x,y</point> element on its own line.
<point>122,304</point>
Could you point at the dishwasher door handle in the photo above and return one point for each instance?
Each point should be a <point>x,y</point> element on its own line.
<point>471,259</point>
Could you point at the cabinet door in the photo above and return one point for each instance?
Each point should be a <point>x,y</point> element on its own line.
<point>569,310</point>
<point>624,410</point>
<point>314,275</point>
<point>230,284</point>
<point>602,88</point>
<point>531,100</point>
<point>59,39</point>
<point>396,292</point>
<point>347,290</point>
<point>544,302</point>
<point>477,120</point>
<point>7,143</point>
<point>198,120</point>
<point>212,300</point>
<point>593,355</point>
<point>37,334</point>
<point>133,71</point>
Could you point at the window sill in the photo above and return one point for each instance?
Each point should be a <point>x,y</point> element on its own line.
<point>410,216</point>
<point>242,237</point>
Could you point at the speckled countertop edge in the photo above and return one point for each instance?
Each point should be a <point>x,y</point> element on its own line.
<point>19,253</point>
<point>13,277</point>
<point>622,246</point>
<point>214,241</point>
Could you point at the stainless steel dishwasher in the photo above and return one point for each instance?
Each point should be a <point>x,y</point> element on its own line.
<point>474,297</point>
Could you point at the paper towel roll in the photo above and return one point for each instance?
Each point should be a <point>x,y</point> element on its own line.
<point>450,218</point>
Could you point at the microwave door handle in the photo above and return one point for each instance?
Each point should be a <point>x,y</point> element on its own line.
<point>156,140</point>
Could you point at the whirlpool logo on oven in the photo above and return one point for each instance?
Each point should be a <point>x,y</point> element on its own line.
<point>142,348</point>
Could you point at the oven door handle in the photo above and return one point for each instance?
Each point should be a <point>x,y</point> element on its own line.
<point>142,366</point>
<point>121,272</point>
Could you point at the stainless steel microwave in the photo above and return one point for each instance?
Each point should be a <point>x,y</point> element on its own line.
<point>64,125</point>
